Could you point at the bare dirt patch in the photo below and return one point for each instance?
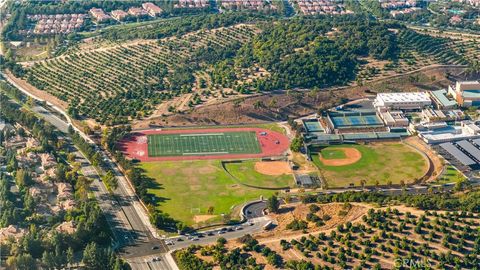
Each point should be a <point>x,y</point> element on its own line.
<point>352,156</point>
<point>36,92</point>
<point>202,218</point>
<point>272,167</point>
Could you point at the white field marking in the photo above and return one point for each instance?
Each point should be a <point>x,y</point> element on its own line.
<point>142,139</point>
<point>203,153</point>
<point>202,134</point>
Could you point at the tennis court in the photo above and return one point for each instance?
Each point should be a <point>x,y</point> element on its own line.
<point>312,125</point>
<point>354,119</point>
<point>191,144</point>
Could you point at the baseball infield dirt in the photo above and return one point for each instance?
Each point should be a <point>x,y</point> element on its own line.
<point>352,155</point>
<point>272,167</point>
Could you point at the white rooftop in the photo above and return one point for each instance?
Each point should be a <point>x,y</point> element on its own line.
<point>404,97</point>
<point>469,82</point>
<point>448,134</point>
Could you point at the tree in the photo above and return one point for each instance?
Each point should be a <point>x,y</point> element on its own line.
<point>273,204</point>
<point>82,187</point>
<point>273,103</point>
<point>71,157</point>
<point>31,102</point>
<point>459,185</point>
<point>70,258</point>
<point>221,241</point>
<point>258,105</point>
<point>25,261</point>
<point>97,159</point>
<point>48,260</point>
<point>110,180</point>
<point>23,178</point>
<point>90,258</point>
<point>296,144</point>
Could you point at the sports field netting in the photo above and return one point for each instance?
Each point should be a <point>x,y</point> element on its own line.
<point>245,142</point>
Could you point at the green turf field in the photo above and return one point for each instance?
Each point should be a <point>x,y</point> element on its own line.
<point>382,162</point>
<point>161,145</point>
<point>332,153</point>
<point>184,189</point>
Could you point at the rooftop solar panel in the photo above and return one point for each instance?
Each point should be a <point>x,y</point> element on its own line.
<point>470,148</point>
<point>456,153</point>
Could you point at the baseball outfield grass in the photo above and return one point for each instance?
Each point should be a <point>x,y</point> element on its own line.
<point>186,189</point>
<point>245,173</point>
<point>381,163</point>
<point>331,153</point>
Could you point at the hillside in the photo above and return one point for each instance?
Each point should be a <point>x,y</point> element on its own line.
<point>138,79</point>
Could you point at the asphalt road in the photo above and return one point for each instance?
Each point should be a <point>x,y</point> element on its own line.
<point>208,237</point>
<point>132,235</point>
<point>152,262</point>
<point>255,210</point>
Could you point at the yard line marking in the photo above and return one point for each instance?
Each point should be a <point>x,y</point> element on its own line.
<point>203,153</point>
<point>202,134</point>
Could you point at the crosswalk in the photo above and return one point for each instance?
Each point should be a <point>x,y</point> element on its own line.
<point>151,263</point>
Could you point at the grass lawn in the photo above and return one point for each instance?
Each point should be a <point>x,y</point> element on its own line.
<point>246,173</point>
<point>182,186</point>
<point>450,175</point>
<point>270,126</point>
<point>332,153</point>
<point>385,162</point>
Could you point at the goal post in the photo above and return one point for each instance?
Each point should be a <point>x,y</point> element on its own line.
<point>195,210</point>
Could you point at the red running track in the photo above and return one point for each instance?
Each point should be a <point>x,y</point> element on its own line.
<point>135,146</point>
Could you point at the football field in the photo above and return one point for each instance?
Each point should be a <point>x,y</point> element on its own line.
<point>191,144</point>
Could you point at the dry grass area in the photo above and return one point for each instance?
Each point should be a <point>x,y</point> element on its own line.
<point>304,165</point>
<point>281,105</point>
<point>38,93</point>
<point>202,218</point>
<point>338,213</point>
